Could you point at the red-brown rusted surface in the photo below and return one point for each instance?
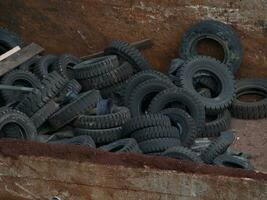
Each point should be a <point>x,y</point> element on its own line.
<point>15,148</point>
<point>83,27</point>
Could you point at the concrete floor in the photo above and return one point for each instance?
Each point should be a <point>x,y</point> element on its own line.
<point>251,137</point>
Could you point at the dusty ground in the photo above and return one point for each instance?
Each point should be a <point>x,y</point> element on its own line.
<point>251,137</point>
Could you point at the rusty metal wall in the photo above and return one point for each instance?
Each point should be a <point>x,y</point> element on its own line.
<point>83,27</point>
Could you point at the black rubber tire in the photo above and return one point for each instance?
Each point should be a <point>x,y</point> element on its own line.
<point>185,124</point>
<point>145,121</point>
<point>65,64</point>
<point>139,78</point>
<point>83,140</point>
<point>115,92</point>
<point>158,145</point>
<point>45,66</point>
<point>51,85</point>
<point>23,124</point>
<point>117,117</point>
<point>155,132</point>
<point>218,31</point>
<point>204,81</point>
<point>205,92</point>
<point>8,40</point>
<point>226,160</point>
<point>217,147</point>
<point>182,153</point>
<point>122,146</point>
<point>101,136</point>
<point>150,88</point>
<point>221,123</point>
<point>68,113</point>
<point>18,78</point>
<point>72,87</point>
<point>30,65</point>
<point>175,65</point>
<point>129,53</point>
<point>95,67</point>
<point>250,110</point>
<point>181,96</point>
<point>44,113</point>
<point>225,78</point>
<point>119,74</point>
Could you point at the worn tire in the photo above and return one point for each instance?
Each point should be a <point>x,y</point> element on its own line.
<point>101,136</point>
<point>44,113</point>
<point>129,53</point>
<point>71,88</point>
<point>84,102</point>
<point>181,96</point>
<point>30,65</point>
<point>18,78</point>
<point>95,67</point>
<point>226,160</point>
<point>8,40</point>
<point>224,98</point>
<point>119,74</point>
<point>217,147</point>
<point>221,123</point>
<point>182,153</point>
<point>51,85</point>
<point>155,132</point>
<point>218,31</point>
<point>122,146</point>
<point>64,65</point>
<point>250,110</point>
<point>158,145</point>
<point>139,78</point>
<point>82,140</point>
<point>145,121</point>
<point>117,117</point>
<point>23,124</point>
<point>144,94</point>
<point>185,124</point>
<point>45,66</point>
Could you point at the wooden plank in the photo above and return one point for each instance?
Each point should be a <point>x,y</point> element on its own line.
<point>142,44</point>
<point>9,53</point>
<point>19,57</point>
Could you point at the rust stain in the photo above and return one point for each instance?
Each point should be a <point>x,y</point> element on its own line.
<point>84,27</point>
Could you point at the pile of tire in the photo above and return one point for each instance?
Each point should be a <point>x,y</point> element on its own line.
<point>118,103</point>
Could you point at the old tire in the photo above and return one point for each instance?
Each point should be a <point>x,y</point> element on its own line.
<point>250,109</point>
<point>145,121</point>
<point>69,112</point>
<point>144,94</point>
<point>217,147</point>
<point>139,78</point>
<point>64,65</point>
<point>45,66</point>
<point>101,136</point>
<point>18,78</point>
<point>158,145</point>
<point>127,145</point>
<point>181,97</point>
<point>214,30</point>
<point>185,124</point>
<point>155,132</point>
<point>117,117</point>
<point>95,67</point>
<point>128,53</point>
<point>10,118</point>
<point>44,113</point>
<point>182,153</point>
